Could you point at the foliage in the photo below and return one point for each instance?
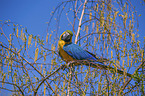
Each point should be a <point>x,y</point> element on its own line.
<point>30,65</point>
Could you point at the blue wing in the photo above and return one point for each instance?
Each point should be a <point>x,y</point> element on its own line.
<point>77,52</point>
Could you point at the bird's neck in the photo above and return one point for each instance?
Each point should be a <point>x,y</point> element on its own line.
<point>61,43</point>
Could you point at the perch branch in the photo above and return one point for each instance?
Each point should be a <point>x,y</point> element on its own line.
<point>96,65</point>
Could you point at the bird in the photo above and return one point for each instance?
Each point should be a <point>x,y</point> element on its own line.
<point>71,52</point>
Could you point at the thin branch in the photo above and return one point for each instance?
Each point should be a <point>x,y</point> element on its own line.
<point>80,21</point>
<point>69,81</point>
<point>130,89</point>
<point>10,90</point>
<point>96,65</point>
<point>28,76</point>
<point>44,79</point>
<point>14,85</point>
<point>4,33</point>
<point>131,78</point>
<point>28,63</point>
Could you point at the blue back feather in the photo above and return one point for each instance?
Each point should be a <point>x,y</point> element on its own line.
<point>77,52</point>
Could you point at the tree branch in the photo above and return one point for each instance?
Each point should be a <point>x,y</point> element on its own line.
<point>44,79</point>
<point>28,63</point>
<point>14,85</point>
<point>69,81</point>
<point>130,78</point>
<point>80,21</point>
<point>97,65</point>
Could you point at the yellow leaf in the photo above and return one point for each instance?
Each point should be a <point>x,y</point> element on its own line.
<point>97,27</point>
<point>124,19</point>
<point>142,55</point>
<point>53,47</point>
<point>128,59</point>
<point>132,17</point>
<point>123,63</point>
<point>29,40</point>
<point>36,80</point>
<point>120,36</point>
<point>21,32</point>
<point>111,54</point>
<point>107,50</point>
<point>17,32</point>
<point>116,13</point>
<point>50,37</point>
<point>26,81</point>
<point>124,50</point>
<point>90,16</point>
<point>102,18</point>
<point>130,25</point>
<point>41,68</point>
<point>25,38</point>
<point>103,5</point>
<point>93,25</point>
<point>133,37</point>
<point>124,73</point>
<point>44,89</point>
<point>97,7</point>
<point>45,57</point>
<point>102,21</point>
<point>10,39</point>
<point>35,42</point>
<point>47,38</point>
<point>125,35</point>
<point>36,54</point>
<point>15,78</point>
<point>99,36</point>
<point>104,45</point>
<point>3,79</point>
<point>115,41</point>
<point>138,47</point>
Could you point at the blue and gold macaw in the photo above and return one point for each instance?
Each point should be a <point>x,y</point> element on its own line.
<point>71,52</point>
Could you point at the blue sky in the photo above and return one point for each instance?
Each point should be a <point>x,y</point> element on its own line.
<point>141,19</point>
<point>28,13</point>
<point>34,14</point>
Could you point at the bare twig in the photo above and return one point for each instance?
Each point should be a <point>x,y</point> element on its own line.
<point>69,81</point>
<point>44,79</point>
<point>131,78</point>
<point>29,64</point>
<point>14,85</point>
<point>130,89</point>
<point>4,33</point>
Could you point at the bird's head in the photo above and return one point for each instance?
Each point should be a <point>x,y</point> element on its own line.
<point>66,36</point>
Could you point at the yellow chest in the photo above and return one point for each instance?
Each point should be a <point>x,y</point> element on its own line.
<point>62,53</point>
